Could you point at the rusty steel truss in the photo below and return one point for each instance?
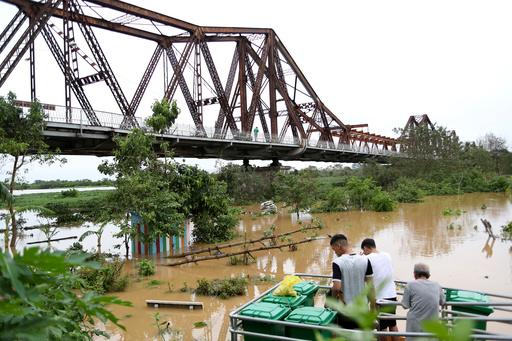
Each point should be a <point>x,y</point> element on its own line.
<point>263,86</point>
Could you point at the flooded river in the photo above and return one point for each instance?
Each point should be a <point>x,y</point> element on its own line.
<point>456,248</point>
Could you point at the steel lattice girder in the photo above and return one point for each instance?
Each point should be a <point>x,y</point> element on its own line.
<point>267,85</point>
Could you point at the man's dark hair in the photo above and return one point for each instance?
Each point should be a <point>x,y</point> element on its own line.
<point>338,237</point>
<point>368,242</point>
<point>422,270</point>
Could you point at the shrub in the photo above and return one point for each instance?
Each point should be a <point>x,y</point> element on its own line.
<point>499,184</point>
<point>360,192</point>
<point>70,193</point>
<point>108,278</point>
<point>222,288</point>
<point>336,200</point>
<point>407,191</point>
<point>382,202</point>
<point>211,229</point>
<point>472,180</point>
<point>146,267</point>
<point>507,231</point>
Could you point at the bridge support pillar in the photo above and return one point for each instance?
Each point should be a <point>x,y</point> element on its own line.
<point>246,164</point>
<point>275,163</point>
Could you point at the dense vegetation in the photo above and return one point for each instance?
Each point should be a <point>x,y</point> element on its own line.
<point>67,207</point>
<point>161,191</point>
<point>21,142</point>
<point>437,164</point>
<point>223,288</point>
<point>46,184</point>
<point>41,299</point>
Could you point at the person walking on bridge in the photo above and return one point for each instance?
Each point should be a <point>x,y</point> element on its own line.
<point>256,131</point>
<point>422,297</point>
<point>383,281</point>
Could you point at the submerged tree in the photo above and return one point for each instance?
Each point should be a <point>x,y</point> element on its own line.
<point>165,193</point>
<point>297,189</point>
<point>21,137</point>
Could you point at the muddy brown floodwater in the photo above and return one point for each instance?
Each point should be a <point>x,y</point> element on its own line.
<point>456,248</point>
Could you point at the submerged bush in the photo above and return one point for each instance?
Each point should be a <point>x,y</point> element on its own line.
<point>407,191</point>
<point>382,202</point>
<point>506,231</point>
<point>222,288</point>
<point>108,278</point>
<point>69,193</point>
<point>499,184</point>
<point>336,200</point>
<point>146,267</point>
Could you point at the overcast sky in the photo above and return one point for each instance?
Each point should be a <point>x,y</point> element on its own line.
<point>374,62</point>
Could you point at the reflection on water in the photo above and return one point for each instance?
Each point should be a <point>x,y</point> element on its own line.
<point>459,255</point>
<point>488,247</point>
<point>108,241</point>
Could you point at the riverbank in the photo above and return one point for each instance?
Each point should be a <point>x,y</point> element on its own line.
<point>55,196</point>
<point>59,184</point>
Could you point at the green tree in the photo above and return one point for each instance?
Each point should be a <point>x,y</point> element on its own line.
<point>40,299</point>
<point>497,147</point>
<point>207,202</point>
<point>21,137</point>
<point>297,189</point>
<point>165,193</point>
<point>142,186</point>
<point>336,199</point>
<point>98,233</point>
<point>429,150</point>
<point>163,117</point>
<point>247,185</point>
<point>361,192</point>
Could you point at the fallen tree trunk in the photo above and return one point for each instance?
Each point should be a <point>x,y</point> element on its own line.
<point>51,240</point>
<point>192,259</point>
<point>252,241</point>
<point>28,228</point>
<point>488,227</point>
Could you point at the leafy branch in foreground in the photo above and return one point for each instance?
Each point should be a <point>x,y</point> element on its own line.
<point>39,300</point>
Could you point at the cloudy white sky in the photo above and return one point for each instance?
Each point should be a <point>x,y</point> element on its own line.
<point>374,62</point>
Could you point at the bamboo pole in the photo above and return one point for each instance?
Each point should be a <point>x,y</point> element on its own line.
<point>252,241</point>
<point>248,251</point>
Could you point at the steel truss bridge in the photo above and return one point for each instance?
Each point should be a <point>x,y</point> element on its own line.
<point>261,86</point>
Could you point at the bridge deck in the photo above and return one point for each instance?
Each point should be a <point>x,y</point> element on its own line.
<point>77,139</point>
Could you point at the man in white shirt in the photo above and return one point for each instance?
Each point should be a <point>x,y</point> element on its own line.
<point>350,273</point>
<point>383,281</point>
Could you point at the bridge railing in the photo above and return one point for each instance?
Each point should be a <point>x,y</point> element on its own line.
<point>57,114</point>
<point>78,116</point>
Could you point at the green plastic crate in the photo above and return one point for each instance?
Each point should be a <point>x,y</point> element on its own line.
<point>311,316</point>
<point>287,301</point>
<point>470,296</point>
<point>309,289</point>
<point>270,311</point>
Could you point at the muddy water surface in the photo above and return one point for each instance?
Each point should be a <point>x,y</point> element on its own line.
<point>456,248</point>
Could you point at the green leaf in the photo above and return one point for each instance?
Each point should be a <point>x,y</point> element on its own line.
<point>11,271</point>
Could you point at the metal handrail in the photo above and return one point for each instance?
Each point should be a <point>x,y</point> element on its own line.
<point>236,319</point>
<point>57,114</point>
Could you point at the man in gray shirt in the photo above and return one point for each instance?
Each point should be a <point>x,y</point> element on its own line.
<point>350,273</point>
<point>422,297</point>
